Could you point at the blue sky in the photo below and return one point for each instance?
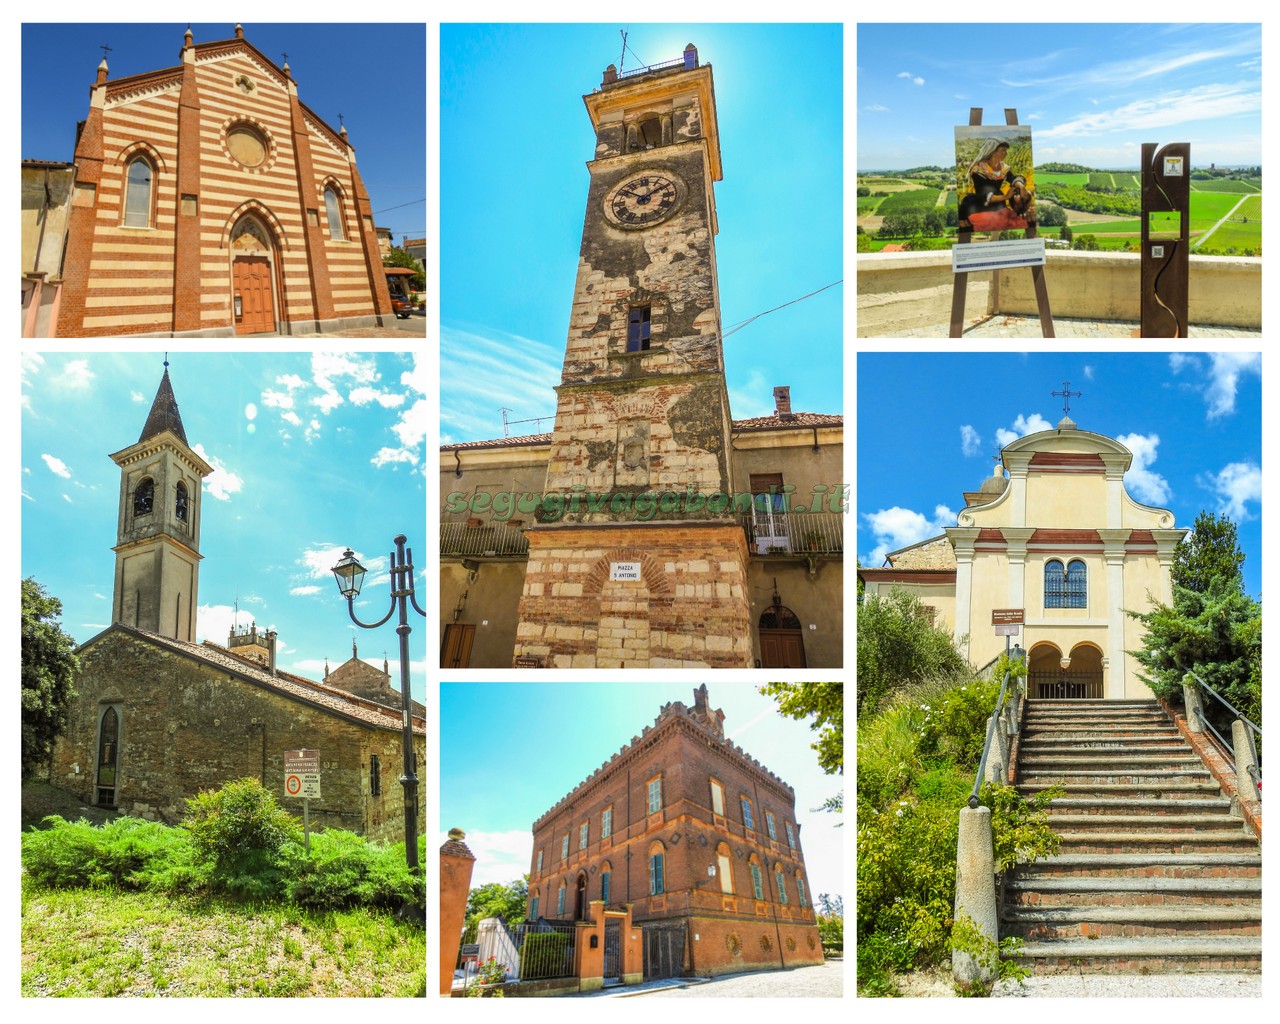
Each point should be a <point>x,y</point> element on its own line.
<point>312,453</point>
<point>514,140</point>
<point>1192,421</point>
<point>379,87</point>
<point>496,799</point>
<point>1092,93</point>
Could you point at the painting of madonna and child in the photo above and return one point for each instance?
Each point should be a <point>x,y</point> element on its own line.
<point>995,178</point>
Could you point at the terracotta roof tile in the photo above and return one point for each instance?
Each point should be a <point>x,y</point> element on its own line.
<point>325,698</point>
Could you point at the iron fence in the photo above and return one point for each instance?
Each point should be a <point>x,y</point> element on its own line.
<point>546,949</point>
<point>491,540</point>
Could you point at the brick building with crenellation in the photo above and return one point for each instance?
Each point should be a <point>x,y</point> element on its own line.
<point>697,836</point>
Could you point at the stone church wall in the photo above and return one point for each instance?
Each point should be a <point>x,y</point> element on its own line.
<point>187,726</point>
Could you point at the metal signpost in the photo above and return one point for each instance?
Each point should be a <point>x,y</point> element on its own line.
<point>1008,623</point>
<point>1166,239</point>
<point>302,779</point>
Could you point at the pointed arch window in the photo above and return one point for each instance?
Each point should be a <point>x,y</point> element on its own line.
<point>333,210</point>
<point>108,757</point>
<point>181,503</point>
<point>139,181</point>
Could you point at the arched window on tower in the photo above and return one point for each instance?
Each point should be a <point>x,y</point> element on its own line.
<point>144,497</point>
<point>181,503</point>
<point>333,210</point>
<point>139,178</point>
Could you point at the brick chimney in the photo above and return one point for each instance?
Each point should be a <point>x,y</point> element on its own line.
<point>782,403</point>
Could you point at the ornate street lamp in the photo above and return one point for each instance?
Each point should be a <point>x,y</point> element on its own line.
<point>350,574</point>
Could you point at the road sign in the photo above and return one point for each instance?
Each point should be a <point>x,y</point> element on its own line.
<point>302,774</point>
<point>1007,617</point>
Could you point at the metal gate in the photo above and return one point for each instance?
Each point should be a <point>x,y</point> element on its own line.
<point>663,950</point>
<point>1060,686</point>
<point>612,951</point>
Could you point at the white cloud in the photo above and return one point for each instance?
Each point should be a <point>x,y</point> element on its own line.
<point>1145,484</point>
<point>1179,361</point>
<point>913,78</point>
<point>876,108</point>
<point>57,466</point>
<point>221,483</point>
<point>327,367</point>
<point>306,591</point>
<point>1236,484</point>
<point>291,417</point>
<point>901,527</point>
<point>1023,426</point>
<point>970,440</point>
<point>1225,369</point>
<point>1207,103</point>
<point>500,856</point>
<point>1088,373</point>
<point>30,365</point>
<point>387,456</point>
<point>67,499</point>
<point>214,621</point>
<point>277,399</point>
<point>76,375</point>
<point>137,397</point>
<point>386,399</point>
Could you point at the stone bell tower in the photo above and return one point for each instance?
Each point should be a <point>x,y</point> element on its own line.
<point>158,526</point>
<point>643,564</point>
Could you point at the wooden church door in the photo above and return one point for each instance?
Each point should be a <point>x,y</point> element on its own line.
<point>251,284</point>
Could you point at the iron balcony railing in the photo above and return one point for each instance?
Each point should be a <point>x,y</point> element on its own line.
<point>794,533</point>
<point>678,62</point>
<point>491,540</point>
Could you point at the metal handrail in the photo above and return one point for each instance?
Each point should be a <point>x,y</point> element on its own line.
<point>992,722</point>
<point>1254,769</point>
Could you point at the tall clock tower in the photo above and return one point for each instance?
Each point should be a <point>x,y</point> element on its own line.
<point>158,525</point>
<point>644,564</point>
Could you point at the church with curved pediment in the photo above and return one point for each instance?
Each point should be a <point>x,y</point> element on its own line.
<point>1055,535</point>
<point>210,201</point>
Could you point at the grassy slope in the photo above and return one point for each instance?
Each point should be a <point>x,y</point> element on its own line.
<point>102,942</point>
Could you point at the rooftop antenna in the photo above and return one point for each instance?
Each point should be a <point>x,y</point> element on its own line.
<point>621,60</point>
<point>506,424</point>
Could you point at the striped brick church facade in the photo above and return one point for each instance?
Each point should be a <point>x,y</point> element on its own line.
<point>210,201</point>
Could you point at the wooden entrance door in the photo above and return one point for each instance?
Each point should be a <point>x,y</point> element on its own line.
<point>455,651</point>
<point>782,648</point>
<point>663,950</point>
<point>251,284</point>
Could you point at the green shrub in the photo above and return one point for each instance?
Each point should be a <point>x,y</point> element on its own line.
<point>955,726</point>
<point>898,646</point>
<point>543,954</point>
<point>127,852</point>
<point>343,870</point>
<point>241,829</point>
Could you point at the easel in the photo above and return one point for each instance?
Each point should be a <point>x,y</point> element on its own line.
<point>961,281</point>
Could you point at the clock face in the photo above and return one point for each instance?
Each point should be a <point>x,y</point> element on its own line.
<point>642,201</point>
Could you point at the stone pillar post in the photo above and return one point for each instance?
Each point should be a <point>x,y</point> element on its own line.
<point>632,949</point>
<point>1242,747</point>
<point>589,950</point>
<point>975,889</point>
<point>456,863</point>
<point>1191,698</point>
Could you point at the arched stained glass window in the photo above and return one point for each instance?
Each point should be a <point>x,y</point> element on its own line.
<point>333,210</point>
<point>139,178</point>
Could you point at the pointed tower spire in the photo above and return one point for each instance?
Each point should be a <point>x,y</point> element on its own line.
<point>164,411</point>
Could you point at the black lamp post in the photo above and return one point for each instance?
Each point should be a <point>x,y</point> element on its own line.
<point>350,575</point>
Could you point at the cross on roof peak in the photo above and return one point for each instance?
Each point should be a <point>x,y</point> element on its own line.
<point>1066,394</point>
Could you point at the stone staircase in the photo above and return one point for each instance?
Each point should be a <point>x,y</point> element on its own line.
<point>1155,872</point>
